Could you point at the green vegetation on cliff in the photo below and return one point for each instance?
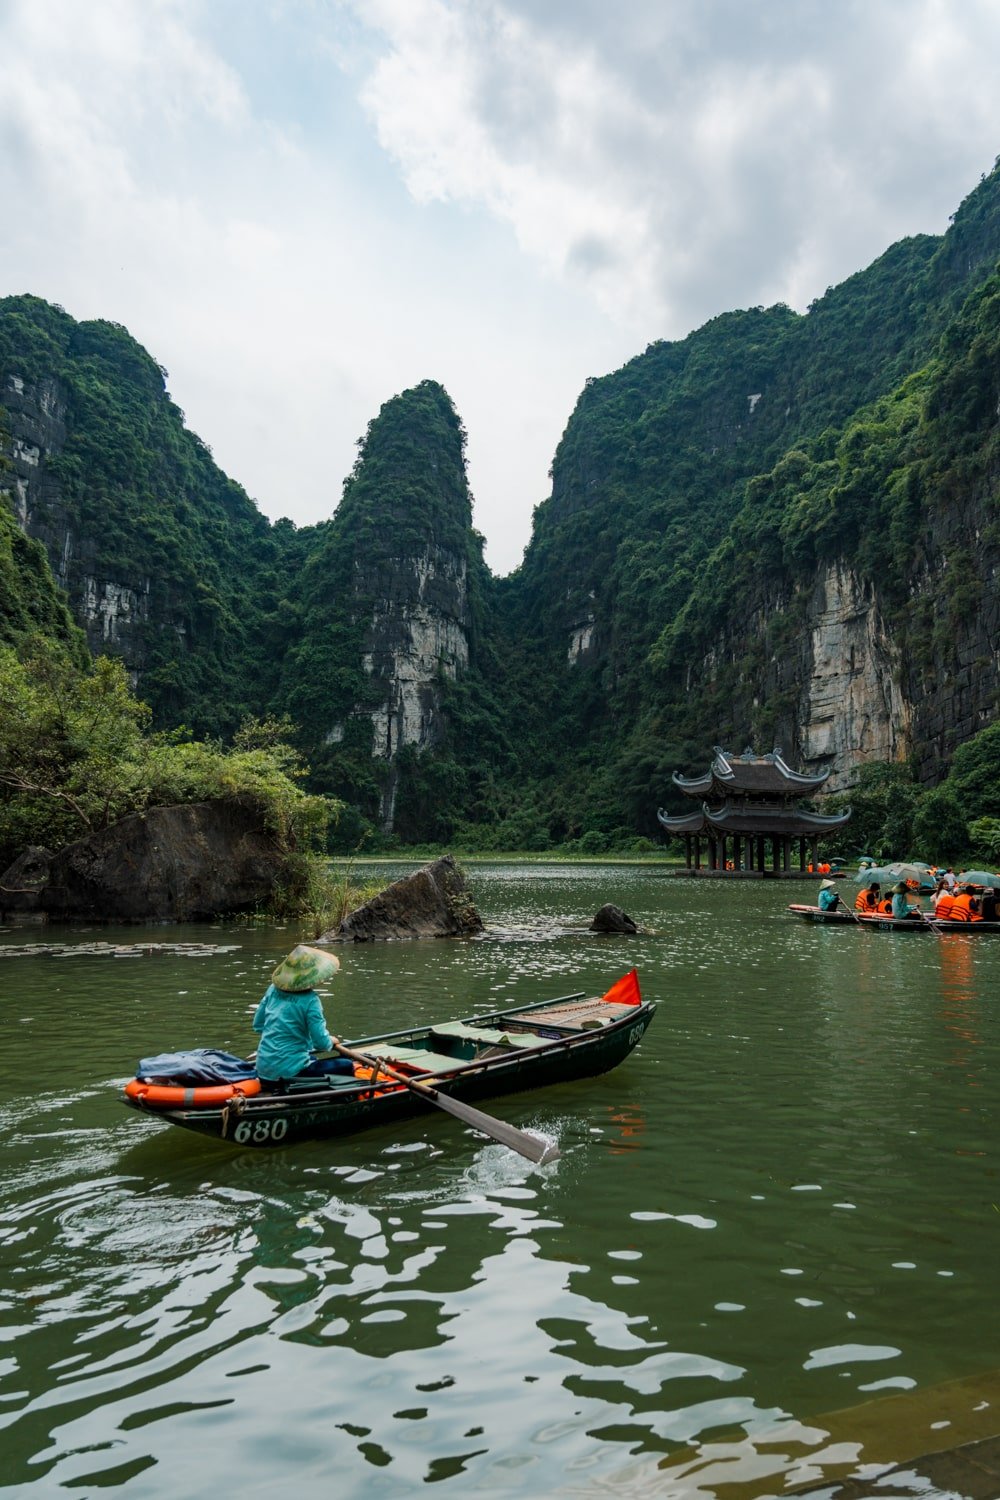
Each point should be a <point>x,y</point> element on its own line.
<point>401,542</point>
<point>698,495</point>
<point>130,495</point>
<point>77,755</point>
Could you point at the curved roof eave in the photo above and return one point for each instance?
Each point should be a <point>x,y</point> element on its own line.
<point>684,823</point>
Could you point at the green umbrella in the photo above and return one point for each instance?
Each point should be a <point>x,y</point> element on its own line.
<point>910,871</point>
<point>979,877</point>
<point>873,873</point>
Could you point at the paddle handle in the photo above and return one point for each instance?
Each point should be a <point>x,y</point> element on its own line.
<point>384,1067</point>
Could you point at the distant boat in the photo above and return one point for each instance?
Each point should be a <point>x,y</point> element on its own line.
<point>883,922</point>
<point>816,914</point>
<point>504,1052</point>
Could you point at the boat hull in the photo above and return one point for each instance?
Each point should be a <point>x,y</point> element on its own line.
<point>271,1120</point>
<point>882,923</point>
<point>824,918</point>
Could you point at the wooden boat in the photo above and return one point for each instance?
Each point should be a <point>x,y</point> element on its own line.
<point>816,914</point>
<point>503,1052</point>
<point>929,924</point>
<point>884,923</point>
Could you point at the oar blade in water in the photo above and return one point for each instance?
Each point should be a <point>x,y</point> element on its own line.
<point>532,1146</point>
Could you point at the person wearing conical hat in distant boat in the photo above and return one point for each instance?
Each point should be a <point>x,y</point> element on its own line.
<point>828,898</point>
<point>291,1022</point>
<point>901,908</point>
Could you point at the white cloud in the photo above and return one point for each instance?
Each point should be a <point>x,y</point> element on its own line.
<point>304,207</point>
<point>685,159</point>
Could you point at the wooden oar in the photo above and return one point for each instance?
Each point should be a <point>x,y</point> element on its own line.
<point>508,1135</point>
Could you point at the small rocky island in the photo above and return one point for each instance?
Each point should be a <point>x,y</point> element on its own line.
<point>433,902</point>
<point>611,918</point>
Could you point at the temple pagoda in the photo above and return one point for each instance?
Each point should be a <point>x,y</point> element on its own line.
<point>747,802</point>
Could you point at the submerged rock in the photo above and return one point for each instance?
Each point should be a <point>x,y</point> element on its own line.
<point>432,902</point>
<point>612,919</point>
<point>185,863</point>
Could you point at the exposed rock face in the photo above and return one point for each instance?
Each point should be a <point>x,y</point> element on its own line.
<point>170,864</point>
<point>582,637</point>
<point>393,584</point>
<point>611,918</point>
<point>419,632</point>
<point>112,611</point>
<point>852,686</point>
<point>852,708</point>
<point>432,902</point>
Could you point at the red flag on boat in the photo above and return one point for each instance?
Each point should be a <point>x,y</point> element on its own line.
<point>625,991</point>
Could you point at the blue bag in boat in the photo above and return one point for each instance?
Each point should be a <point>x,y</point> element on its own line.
<point>203,1065</point>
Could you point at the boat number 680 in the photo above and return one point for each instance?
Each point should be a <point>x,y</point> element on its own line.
<point>260,1130</point>
<point>635,1034</point>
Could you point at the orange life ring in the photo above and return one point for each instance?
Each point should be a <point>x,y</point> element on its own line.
<point>175,1094</point>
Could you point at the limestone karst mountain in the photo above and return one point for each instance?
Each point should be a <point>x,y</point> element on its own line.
<point>781,528</point>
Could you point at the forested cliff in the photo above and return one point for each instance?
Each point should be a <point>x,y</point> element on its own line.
<point>781,529</point>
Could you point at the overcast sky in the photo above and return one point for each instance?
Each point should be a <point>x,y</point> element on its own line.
<point>303,207</point>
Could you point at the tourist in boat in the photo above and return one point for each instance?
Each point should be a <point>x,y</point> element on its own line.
<point>966,906</point>
<point>988,905</point>
<point>829,898</point>
<point>291,1022</point>
<point>868,898</point>
<point>901,909</point>
<point>942,900</point>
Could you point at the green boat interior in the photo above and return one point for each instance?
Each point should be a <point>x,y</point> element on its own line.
<point>455,1044</point>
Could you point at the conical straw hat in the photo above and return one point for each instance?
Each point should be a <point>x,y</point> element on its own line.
<point>304,969</point>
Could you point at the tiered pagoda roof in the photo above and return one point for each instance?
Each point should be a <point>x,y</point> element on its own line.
<point>753,794</point>
<point>750,775</point>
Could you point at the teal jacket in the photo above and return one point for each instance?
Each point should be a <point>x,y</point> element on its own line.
<point>291,1026</point>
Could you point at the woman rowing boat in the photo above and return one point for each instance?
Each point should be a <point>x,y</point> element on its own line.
<point>292,1024</point>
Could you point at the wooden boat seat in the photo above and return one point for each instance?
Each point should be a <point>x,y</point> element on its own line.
<point>488,1035</point>
<point>416,1057</point>
<point>577,1015</point>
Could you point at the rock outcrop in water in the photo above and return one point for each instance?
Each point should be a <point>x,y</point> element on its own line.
<point>171,864</point>
<point>431,903</point>
<point>611,918</point>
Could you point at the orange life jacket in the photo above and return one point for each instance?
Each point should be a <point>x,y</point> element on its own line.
<point>965,909</point>
<point>943,910</point>
<point>865,901</point>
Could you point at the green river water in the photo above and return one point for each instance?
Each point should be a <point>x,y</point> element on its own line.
<point>784,1205</point>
